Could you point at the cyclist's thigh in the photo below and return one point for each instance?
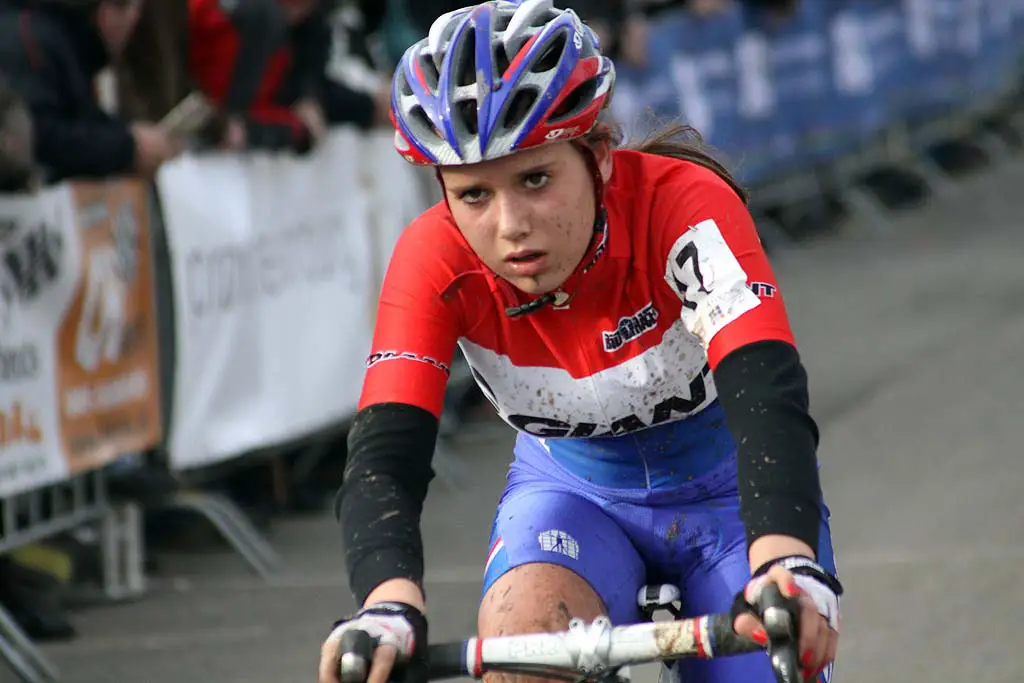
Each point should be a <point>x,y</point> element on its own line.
<point>711,585</point>
<point>555,555</point>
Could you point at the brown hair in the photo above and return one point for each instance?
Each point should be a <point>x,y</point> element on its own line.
<point>152,73</point>
<point>675,140</point>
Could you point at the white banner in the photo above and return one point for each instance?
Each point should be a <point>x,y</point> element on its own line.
<point>78,349</point>
<point>272,265</point>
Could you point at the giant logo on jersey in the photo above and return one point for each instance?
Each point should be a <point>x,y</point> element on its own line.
<point>667,410</point>
<point>665,383</point>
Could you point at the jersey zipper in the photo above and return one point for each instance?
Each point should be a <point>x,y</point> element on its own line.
<point>585,348</point>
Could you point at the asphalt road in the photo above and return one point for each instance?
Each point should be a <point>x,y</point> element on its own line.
<point>914,340</point>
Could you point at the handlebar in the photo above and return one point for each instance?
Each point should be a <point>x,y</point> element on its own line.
<point>596,649</point>
<point>590,648</point>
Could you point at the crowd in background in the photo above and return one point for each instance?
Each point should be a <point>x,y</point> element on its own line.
<point>262,63</point>
<point>278,71</point>
<point>86,87</point>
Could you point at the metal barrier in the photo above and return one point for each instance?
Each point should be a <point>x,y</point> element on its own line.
<point>32,516</point>
<point>43,513</point>
<point>837,88</point>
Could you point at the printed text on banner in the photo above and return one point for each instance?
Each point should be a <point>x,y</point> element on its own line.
<point>271,265</point>
<point>78,347</point>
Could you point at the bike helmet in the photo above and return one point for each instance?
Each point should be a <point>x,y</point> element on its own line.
<point>496,78</point>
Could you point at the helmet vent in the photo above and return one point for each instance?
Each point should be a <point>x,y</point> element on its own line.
<point>576,101</point>
<point>550,57</point>
<point>501,21</point>
<point>466,111</point>
<point>403,84</point>
<point>430,72</point>
<point>466,60</point>
<point>420,120</point>
<point>501,61</point>
<point>521,104</point>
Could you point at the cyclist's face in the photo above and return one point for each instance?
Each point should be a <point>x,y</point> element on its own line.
<point>528,216</point>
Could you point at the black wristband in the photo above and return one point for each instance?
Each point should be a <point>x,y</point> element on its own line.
<point>803,566</point>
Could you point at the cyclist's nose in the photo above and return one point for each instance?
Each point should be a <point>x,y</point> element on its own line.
<point>513,218</point>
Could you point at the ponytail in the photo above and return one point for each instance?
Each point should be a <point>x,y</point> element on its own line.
<point>676,141</point>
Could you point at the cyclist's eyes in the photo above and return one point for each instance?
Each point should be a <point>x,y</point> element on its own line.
<point>478,195</point>
<point>472,196</point>
<point>535,181</point>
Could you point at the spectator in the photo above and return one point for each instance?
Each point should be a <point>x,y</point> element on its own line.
<point>51,50</point>
<point>355,24</point>
<point>152,74</point>
<point>240,55</point>
<point>365,103</point>
<point>17,158</point>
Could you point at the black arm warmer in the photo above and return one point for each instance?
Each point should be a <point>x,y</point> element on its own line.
<point>390,446</point>
<point>763,390</point>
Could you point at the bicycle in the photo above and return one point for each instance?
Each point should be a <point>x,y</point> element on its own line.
<point>598,652</point>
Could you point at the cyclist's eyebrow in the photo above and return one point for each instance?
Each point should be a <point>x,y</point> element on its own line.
<point>544,167</point>
<point>463,188</point>
<point>458,188</point>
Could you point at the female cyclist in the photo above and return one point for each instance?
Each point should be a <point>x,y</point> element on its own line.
<point>618,310</point>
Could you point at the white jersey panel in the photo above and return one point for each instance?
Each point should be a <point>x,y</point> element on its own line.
<point>665,383</point>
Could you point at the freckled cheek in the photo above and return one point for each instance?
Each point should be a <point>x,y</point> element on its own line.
<point>578,228</point>
<point>559,216</point>
<point>483,239</point>
<point>564,232</point>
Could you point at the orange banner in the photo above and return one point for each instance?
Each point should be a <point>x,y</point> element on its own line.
<point>108,360</point>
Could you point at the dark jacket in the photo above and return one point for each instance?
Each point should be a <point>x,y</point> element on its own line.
<point>51,55</point>
<point>312,42</point>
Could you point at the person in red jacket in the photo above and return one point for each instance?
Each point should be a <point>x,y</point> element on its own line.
<point>239,56</point>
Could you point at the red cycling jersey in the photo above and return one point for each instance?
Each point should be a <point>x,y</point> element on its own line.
<point>680,280</point>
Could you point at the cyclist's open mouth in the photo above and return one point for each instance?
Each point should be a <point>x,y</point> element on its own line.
<point>526,262</point>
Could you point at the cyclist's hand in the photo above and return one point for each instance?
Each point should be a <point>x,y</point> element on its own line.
<point>817,594</point>
<point>399,634</point>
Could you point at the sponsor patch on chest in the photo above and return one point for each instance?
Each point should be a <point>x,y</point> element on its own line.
<point>630,327</point>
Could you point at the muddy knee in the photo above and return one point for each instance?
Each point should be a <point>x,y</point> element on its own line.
<point>535,598</point>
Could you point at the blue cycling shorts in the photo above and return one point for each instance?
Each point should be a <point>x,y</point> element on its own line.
<point>618,539</point>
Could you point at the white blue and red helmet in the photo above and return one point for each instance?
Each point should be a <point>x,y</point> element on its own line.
<point>496,78</point>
